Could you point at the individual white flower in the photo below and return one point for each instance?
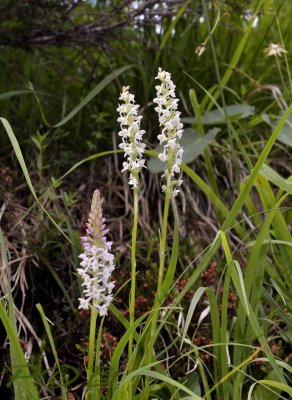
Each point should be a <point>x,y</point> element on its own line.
<point>97,262</point>
<point>131,136</point>
<point>275,50</point>
<point>172,128</point>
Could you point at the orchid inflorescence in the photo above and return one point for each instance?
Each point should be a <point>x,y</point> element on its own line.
<point>169,120</point>
<point>97,261</point>
<point>131,136</point>
<point>172,128</point>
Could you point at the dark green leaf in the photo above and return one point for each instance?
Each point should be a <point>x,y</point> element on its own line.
<point>285,136</point>
<point>234,112</point>
<point>192,383</point>
<point>193,145</point>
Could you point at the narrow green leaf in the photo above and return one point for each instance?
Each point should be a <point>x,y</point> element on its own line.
<point>238,281</point>
<point>22,164</point>
<point>115,361</point>
<point>276,179</point>
<point>277,385</point>
<point>156,375</point>
<point>197,296</point>
<point>52,344</point>
<point>24,388</point>
<point>98,88</point>
<point>23,384</point>
<point>79,163</point>
<point>7,95</point>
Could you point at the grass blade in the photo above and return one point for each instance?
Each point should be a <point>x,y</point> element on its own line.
<point>22,164</point>
<point>24,387</point>
<point>92,94</point>
<point>52,344</point>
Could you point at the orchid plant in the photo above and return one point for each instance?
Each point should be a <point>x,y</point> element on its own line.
<point>172,128</point>
<point>127,376</point>
<point>97,263</point>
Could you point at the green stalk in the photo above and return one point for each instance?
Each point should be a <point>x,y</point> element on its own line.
<point>96,376</point>
<point>285,56</point>
<point>162,248</point>
<point>284,86</point>
<point>93,318</point>
<point>133,284</point>
<point>158,299</point>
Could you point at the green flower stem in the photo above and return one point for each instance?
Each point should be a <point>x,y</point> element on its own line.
<point>162,249</point>
<point>158,297</point>
<point>93,317</point>
<point>284,86</point>
<point>96,381</point>
<point>133,284</point>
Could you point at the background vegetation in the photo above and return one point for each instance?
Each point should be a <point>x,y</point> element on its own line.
<point>63,64</point>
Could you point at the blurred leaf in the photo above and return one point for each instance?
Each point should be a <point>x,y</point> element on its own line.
<point>276,179</point>
<point>7,95</point>
<point>234,112</point>
<point>268,394</point>
<point>193,145</point>
<point>192,383</point>
<point>285,136</point>
<point>263,393</point>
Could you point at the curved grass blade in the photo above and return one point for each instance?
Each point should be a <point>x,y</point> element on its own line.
<point>223,211</point>
<point>276,179</point>
<point>93,157</point>
<point>115,361</point>
<point>156,375</point>
<point>12,93</point>
<point>40,107</point>
<point>92,94</point>
<point>199,293</point>
<point>52,344</point>
<point>22,164</point>
<point>24,387</point>
<point>283,387</point>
